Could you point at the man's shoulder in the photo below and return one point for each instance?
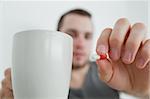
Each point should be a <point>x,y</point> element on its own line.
<point>96,85</point>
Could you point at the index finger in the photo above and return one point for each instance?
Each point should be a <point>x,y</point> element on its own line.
<point>102,42</point>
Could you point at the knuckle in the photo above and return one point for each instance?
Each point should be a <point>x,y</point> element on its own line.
<point>131,45</point>
<point>114,41</point>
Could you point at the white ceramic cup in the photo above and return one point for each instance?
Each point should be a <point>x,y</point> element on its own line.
<point>41,64</point>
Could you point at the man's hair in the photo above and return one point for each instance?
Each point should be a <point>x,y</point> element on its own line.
<point>74,11</point>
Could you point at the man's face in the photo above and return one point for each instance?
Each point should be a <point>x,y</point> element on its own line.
<point>81,29</point>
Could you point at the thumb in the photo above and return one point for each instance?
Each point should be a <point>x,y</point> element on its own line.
<point>105,70</point>
<point>113,75</point>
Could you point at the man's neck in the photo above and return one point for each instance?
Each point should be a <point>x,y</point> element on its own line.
<point>78,76</point>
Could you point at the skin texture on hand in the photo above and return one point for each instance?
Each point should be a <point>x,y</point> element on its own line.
<point>129,65</point>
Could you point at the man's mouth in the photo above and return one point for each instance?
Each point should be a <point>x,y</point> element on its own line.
<point>76,54</point>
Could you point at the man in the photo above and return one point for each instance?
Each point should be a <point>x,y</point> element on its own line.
<point>126,69</point>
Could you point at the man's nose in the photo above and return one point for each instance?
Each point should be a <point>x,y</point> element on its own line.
<point>80,42</point>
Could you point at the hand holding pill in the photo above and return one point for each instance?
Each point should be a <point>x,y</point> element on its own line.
<point>128,66</point>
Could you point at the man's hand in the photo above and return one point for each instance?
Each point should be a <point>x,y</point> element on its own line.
<point>6,91</point>
<point>128,66</point>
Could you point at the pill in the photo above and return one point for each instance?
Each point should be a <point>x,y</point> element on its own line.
<point>103,56</point>
<point>94,57</point>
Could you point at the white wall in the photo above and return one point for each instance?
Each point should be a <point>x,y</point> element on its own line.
<point>18,16</point>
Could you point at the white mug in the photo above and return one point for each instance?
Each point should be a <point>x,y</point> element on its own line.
<point>41,64</point>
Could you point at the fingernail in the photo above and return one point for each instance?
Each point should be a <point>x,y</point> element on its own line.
<point>114,54</point>
<point>101,49</point>
<point>127,57</point>
<point>140,63</point>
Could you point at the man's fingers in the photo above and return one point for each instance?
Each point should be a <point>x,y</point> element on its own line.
<point>7,83</point>
<point>6,91</point>
<point>133,42</point>
<point>117,37</point>
<point>102,43</point>
<point>143,57</point>
<point>105,69</point>
<point>7,94</point>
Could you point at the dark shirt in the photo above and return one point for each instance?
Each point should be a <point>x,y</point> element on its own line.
<point>93,87</point>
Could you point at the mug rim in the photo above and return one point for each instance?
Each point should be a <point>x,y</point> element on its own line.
<point>45,30</point>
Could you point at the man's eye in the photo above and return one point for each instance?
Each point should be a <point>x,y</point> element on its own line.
<point>88,36</point>
<point>72,35</point>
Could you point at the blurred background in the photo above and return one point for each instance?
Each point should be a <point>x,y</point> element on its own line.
<point>17,16</point>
